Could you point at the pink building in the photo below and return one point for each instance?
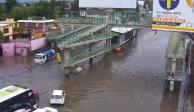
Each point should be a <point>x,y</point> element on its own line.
<point>22,47</point>
<point>8,49</point>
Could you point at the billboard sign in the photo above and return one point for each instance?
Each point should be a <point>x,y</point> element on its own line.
<point>174,15</point>
<point>108,3</point>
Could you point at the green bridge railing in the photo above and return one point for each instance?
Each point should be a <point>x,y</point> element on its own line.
<point>85,54</point>
<point>114,17</point>
<point>73,36</point>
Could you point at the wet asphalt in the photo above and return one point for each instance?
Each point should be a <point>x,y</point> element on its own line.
<point>132,81</point>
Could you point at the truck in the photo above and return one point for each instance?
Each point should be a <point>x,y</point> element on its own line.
<point>41,58</point>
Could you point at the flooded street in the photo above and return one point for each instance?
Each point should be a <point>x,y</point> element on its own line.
<point>131,81</point>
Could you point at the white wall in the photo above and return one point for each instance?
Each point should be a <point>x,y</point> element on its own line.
<point>108,3</point>
<point>38,43</point>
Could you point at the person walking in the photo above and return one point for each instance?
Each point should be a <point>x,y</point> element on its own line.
<point>58,58</point>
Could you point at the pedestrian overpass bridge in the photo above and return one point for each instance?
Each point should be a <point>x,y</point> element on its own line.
<point>90,36</point>
<point>89,32</point>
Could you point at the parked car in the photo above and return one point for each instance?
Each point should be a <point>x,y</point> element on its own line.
<point>46,109</point>
<point>58,97</point>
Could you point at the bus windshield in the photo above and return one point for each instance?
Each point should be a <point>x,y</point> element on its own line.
<point>13,98</point>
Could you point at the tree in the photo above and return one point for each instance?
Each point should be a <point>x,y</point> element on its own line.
<point>9,4</point>
<point>22,12</point>
<point>46,9</point>
<point>75,5</point>
<point>2,38</point>
<point>2,8</point>
<point>42,9</point>
<point>54,9</point>
<point>2,16</point>
<point>19,29</point>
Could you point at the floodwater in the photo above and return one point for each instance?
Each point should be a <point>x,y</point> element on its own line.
<point>132,81</point>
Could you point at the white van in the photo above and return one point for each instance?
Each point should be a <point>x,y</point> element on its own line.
<point>58,97</point>
<point>40,58</point>
<point>46,109</point>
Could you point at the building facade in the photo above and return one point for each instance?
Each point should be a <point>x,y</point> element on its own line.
<point>7,31</point>
<point>35,24</point>
<point>6,27</point>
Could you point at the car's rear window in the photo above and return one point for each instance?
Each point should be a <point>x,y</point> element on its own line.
<point>56,96</point>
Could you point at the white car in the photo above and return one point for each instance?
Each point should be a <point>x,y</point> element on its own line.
<point>58,97</point>
<point>46,109</point>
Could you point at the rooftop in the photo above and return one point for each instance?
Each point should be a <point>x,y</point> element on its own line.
<point>36,21</point>
<point>9,92</point>
<point>121,29</point>
<point>2,24</point>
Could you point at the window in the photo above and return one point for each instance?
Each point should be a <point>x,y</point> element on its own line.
<point>56,96</point>
<point>20,101</point>
<point>43,56</point>
<point>6,30</point>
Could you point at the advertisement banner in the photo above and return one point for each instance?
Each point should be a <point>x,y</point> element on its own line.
<point>173,15</point>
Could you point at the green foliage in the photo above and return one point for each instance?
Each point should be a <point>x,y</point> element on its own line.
<point>9,4</point>
<point>2,8</point>
<point>75,6</point>
<point>22,12</point>
<point>2,16</point>
<point>56,12</point>
<point>2,38</point>
<point>46,9</point>
<point>19,29</point>
<point>43,8</point>
<point>54,9</point>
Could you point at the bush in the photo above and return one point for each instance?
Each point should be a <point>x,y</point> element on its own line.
<point>2,38</point>
<point>19,29</point>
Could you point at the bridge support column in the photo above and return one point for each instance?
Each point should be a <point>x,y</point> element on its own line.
<point>91,60</point>
<point>62,26</point>
<point>92,34</point>
<point>171,85</point>
<point>173,75</point>
<point>108,43</point>
<point>71,27</point>
<point>107,30</point>
<point>90,49</point>
<point>66,54</point>
<point>91,45</point>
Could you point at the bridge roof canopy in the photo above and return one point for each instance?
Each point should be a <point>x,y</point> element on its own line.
<point>108,4</point>
<point>121,29</point>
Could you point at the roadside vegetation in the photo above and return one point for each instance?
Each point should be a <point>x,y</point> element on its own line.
<point>37,10</point>
<point>2,38</point>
